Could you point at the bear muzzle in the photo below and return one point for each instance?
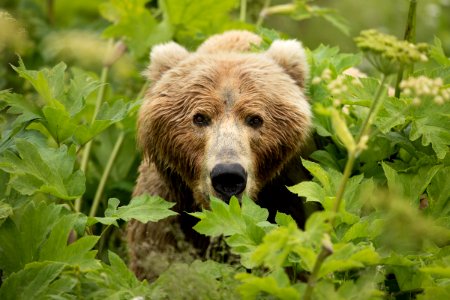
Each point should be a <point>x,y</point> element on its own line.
<point>228,180</point>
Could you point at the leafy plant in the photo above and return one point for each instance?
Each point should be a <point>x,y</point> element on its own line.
<point>67,151</point>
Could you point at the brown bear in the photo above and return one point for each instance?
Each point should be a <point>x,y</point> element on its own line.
<point>222,121</point>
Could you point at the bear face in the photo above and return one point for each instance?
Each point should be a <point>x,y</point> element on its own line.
<point>224,120</point>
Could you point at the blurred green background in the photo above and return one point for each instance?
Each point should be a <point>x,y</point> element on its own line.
<point>389,16</point>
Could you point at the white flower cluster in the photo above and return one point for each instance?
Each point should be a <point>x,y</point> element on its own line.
<point>337,87</point>
<point>325,76</point>
<point>423,86</point>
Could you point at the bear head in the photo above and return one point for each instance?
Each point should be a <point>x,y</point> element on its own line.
<point>224,119</point>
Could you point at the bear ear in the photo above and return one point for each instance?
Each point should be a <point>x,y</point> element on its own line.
<point>163,58</point>
<point>290,55</point>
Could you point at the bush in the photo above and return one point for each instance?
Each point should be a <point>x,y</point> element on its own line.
<point>67,154</point>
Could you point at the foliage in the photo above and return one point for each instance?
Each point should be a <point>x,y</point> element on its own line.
<point>67,150</point>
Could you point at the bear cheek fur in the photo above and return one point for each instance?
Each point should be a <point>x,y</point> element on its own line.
<point>167,137</point>
<point>275,147</point>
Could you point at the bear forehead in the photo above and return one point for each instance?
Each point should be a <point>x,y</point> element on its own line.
<point>229,76</point>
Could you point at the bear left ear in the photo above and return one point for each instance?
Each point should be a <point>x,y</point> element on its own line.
<point>290,55</point>
<point>162,58</point>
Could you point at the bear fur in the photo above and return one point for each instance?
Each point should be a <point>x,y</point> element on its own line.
<point>223,104</point>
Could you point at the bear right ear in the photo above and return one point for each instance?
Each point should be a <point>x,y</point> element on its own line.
<point>163,58</point>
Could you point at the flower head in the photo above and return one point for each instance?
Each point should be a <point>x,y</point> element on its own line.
<point>386,52</point>
<point>422,86</point>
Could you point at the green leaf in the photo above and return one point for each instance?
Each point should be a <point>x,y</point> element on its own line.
<point>349,256</point>
<point>437,53</point>
<point>22,235</point>
<point>366,228</point>
<point>435,292</point>
<point>58,122</point>
<point>133,23</point>
<point>429,121</point>
<point>143,208</point>
<point>253,286</point>
<point>320,174</point>
<point>5,211</point>
<point>49,83</point>
<point>410,185</point>
<point>245,227</point>
<point>33,282</point>
<point>82,84</point>
<point>392,113</point>
<point>18,104</point>
<point>107,116</point>
<point>40,169</point>
<point>312,191</point>
<point>304,11</point>
<point>276,246</point>
<point>228,219</point>
<point>283,219</point>
<point>439,194</point>
<point>434,128</point>
<point>78,253</point>
<point>187,19</point>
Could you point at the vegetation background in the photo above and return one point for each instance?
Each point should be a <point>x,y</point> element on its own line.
<point>70,87</point>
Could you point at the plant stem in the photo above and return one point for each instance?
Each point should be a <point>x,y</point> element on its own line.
<point>276,9</point>
<point>352,155</point>
<point>105,175</point>
<point>51,11</point>
<point>410,33</point>
<point>243,11</point>
<point>87,149</point>
<point>312,280</point>
<point>101,243</point>
<point>373,110</point>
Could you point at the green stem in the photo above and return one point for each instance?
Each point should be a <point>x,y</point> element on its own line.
<point>105,175</point>
<point>243,11</point>
<point>341,189</point>
<point>312,280</point>
<point>373,109</point>
<point>276,9</point>
<point>325,251</point>
<point>87,149</point>
<point>51,11</point>
<point>410,34</point>
<point>101,243</point>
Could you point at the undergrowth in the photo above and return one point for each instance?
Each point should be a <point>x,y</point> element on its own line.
<point>381,170</point>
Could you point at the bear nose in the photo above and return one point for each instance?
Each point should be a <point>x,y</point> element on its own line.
<point>228,179</point>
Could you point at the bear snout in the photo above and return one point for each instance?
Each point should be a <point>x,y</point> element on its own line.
<point>228,180</point>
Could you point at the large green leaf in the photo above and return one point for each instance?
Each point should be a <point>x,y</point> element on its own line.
<point>276,285</point>
<point>439,195</point>
<point>40,169</point>
<point>33,282</point>
<point>22,235</point>
<point>79,253</point>
<point>134,23</point>
<point>143,208</point>
<point>243,226</point>
<point>349,256</point>
<point>410,185</point>
<point>229,219</point>
<point>187,19</point>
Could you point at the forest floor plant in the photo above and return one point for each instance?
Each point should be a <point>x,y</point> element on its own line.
<point>381,170</point>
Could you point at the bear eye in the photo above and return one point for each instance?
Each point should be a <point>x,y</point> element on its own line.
<point>254,121</point>
<point>201,120</point>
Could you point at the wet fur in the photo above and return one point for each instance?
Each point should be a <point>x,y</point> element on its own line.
<point>228,85</point>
